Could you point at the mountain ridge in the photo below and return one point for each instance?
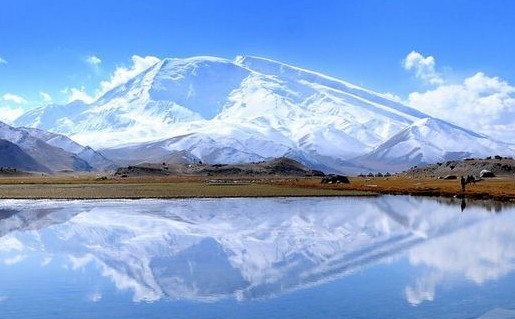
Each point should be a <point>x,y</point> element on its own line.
<point>427,141</point>
<point>12,156</point>
<point>37,150</point>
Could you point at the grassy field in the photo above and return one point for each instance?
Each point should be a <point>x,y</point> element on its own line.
<point>89,187</point>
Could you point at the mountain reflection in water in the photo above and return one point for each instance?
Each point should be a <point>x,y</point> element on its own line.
<point>208,250</point>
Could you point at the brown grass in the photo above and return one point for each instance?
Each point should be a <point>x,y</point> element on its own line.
<point>500,188</point>
<point>88,187</point>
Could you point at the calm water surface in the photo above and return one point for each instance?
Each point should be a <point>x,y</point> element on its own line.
<point>385,257</point>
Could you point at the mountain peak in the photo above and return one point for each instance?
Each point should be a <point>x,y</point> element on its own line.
<point>197,59</point>
<point>250,59</point>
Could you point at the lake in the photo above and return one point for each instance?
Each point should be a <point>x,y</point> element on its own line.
<point>376,257</point>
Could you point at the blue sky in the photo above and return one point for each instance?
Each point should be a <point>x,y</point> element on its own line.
<point>46,44</point>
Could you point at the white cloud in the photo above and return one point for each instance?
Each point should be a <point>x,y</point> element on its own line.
<point>14,260</point>
<point>78,94</point>
<point>95,297</point>
<point>2,61</point>
<point>46,97</point>
<point>9,114</point>
<point>424,67</point>
<point>9,243</point>
<point>93,60</point>
<point>46,261</point>
<point>14,98</point>
<point>80,262</point>
<point>123,74</point>
<point>480,103</point>
<point>392,97</point>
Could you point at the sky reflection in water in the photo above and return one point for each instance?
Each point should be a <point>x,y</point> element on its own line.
<point>389,256</point>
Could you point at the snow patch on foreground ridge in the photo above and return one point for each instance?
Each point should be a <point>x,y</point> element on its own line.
<point>253,108</point>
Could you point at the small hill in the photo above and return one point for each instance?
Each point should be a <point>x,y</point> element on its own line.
<point>276,167</point>
<point>500,166</point>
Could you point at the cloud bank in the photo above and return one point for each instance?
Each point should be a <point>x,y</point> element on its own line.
<point>480,102</point>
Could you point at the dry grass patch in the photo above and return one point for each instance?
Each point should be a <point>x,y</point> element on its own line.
<point>168,189</point>
<point>500,188</point>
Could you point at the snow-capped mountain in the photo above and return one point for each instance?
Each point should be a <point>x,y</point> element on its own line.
<point>246,109</point>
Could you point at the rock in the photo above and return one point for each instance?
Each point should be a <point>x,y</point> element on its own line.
<point>335,179</point>
<point>486,173</point>
<point>448,177</point>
